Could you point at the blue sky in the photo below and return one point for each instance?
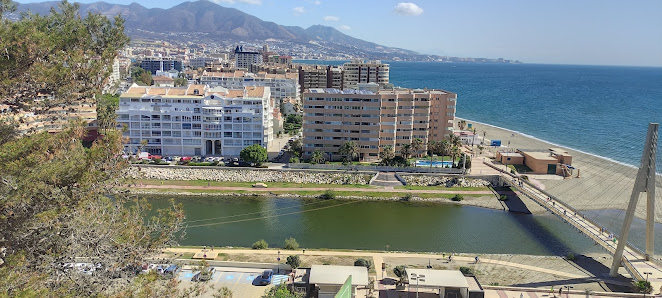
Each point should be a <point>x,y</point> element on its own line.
<point>604,32</point>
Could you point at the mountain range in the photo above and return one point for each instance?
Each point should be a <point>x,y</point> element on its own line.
<point>208,21</point>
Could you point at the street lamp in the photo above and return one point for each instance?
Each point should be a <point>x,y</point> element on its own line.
<point>417,278</point>
<point>567,290</point>
<point>279,262</point>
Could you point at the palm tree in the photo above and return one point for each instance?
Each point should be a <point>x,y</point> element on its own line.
<point>454,140</point>
<point>462,124</point>
<point>317,157</point>
<point>405,151</point>
<point>386,155</point>
<point>445,149</point>
<point>349,149</point>
<point>417,146</point>
<point>455,153</point>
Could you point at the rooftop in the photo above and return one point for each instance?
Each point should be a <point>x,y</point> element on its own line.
<point>337,275</point>
<point>539,155</point>
<point>438,278</point>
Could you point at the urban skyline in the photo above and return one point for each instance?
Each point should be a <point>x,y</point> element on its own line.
<point>564,32</point>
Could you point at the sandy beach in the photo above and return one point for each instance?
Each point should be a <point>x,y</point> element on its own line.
<point>603,183</point>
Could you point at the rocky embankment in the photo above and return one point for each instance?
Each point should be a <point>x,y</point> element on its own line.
<point>233,175</point>
<point>447,181</point>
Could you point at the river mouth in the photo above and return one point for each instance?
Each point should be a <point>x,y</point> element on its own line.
<point>372,225</point>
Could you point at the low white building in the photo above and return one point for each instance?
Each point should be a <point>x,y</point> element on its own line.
<point>328,279</point>
<point>196,120</point>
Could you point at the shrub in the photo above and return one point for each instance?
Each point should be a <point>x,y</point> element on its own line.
<point>457,198</point>
<point>291,243</point>
<point>201,164</point>
<point>293,261</point>
<point>466,270</point>
<point>570,257</point>
<point>294,159</point>
<point>503,198</point>
<point>260,244</point>
<point>328,195</point>
<point>643,286</point>
<point>408,197</point>
<point>399,271</point>
<point>363,262</point>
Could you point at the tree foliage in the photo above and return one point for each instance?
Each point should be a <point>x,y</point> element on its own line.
<point>141,76</point>
<point>349,150</point>
<point>294,261</point>
<point>417,146</point>
<point>180,81</point>
<point>107,105</point>
<point>260,244</point>
<point>281,291</point>
<point>405,151</point>
<point>62,54</point>
<point>363,263</point>
<point>317,157</point>
<point>254,154</point>
<point>291,243</point>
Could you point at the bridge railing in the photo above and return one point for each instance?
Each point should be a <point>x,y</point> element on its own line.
<point>570,208</point>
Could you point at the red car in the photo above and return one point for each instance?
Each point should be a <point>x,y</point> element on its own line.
<point>185,158</point>
<point>153,157</point>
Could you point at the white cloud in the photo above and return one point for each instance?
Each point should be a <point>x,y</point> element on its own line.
<point>299,10</point>
<point>408,9</point>
<point>255,2</point>
<point>331,18</point>
<point>317,2</point>
<point>344,27</point>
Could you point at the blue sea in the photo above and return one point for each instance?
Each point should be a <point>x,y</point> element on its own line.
<point>602,110</point>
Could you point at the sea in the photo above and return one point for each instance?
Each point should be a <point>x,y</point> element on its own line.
<point>600,110</point>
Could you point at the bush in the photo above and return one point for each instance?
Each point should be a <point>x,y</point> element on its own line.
<point>260,244</point>
<point>201,164</point>
<point>294,261</point>
<point>399,271</point>
<point>457,198</point>
<point>254,154</point>
<point>466,270</point>
<point>328,195</point>
<point>643,286</point>
<point>570,257</point>
<point>294,159</point>
<point>291,243</point>
<point>503,198</point>
<point>363,262</point>
<point>408,197</point>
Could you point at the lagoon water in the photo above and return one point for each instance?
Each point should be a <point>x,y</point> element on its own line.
<point>405,226</point>
<point>602,110</point>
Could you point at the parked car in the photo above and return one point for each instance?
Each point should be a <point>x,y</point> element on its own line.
<point>153,157</point>
<point>266,276</point>
<point>205,274</point>
<point>185,158</point>
<point>172,270</point>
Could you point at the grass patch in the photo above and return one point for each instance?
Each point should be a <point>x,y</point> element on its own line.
<point>245,184</point>
<point>441,187</point>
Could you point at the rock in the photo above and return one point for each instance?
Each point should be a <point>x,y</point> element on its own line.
<point>447,181</point>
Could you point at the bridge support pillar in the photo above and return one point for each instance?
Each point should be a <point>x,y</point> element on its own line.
<point>644,182</point>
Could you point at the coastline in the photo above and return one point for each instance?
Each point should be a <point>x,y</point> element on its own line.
<point>604,183</point>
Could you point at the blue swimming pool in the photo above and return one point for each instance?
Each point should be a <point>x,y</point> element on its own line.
<point>436,164</point>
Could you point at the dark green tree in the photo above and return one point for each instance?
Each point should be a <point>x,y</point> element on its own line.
<point>255,154</point>
<point>294,261</point>
<point>349,150</point>
<point>107,105</point>
<point>180,81</point>
<point>141,76</point>
<point>281,291</point>
<point>363,263</point>
<point>291,243</point>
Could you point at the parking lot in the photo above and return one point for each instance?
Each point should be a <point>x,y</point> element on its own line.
<point>243,282</point>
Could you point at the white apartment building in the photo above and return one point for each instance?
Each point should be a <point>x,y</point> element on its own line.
<point>201,62</point>
<point>282,86</point>
<point>196,120</point>
<point>358,71</point>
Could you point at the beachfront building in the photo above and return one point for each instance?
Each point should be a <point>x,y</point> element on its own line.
<point>555,161</point>
<point>196,120</point>
<point>374,120</point>
<point>281,85</point>
<point>358,71</point>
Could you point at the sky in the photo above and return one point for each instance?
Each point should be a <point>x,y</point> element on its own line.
<point>598,32</point>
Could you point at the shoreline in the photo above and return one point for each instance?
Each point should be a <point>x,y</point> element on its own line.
<point>487,202</point>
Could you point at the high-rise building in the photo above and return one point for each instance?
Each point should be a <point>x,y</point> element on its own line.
<point>202,62</point>
<point>163,64</point>
<point>374,120</point>
<point>312,76</point>
<point>244,59</point>
<point>358,71</point>
<point>196,120</point>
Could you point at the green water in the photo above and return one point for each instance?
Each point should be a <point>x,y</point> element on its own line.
<point>403,226</point>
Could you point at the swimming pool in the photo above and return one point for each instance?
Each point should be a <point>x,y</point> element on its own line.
<point>436,164</point>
